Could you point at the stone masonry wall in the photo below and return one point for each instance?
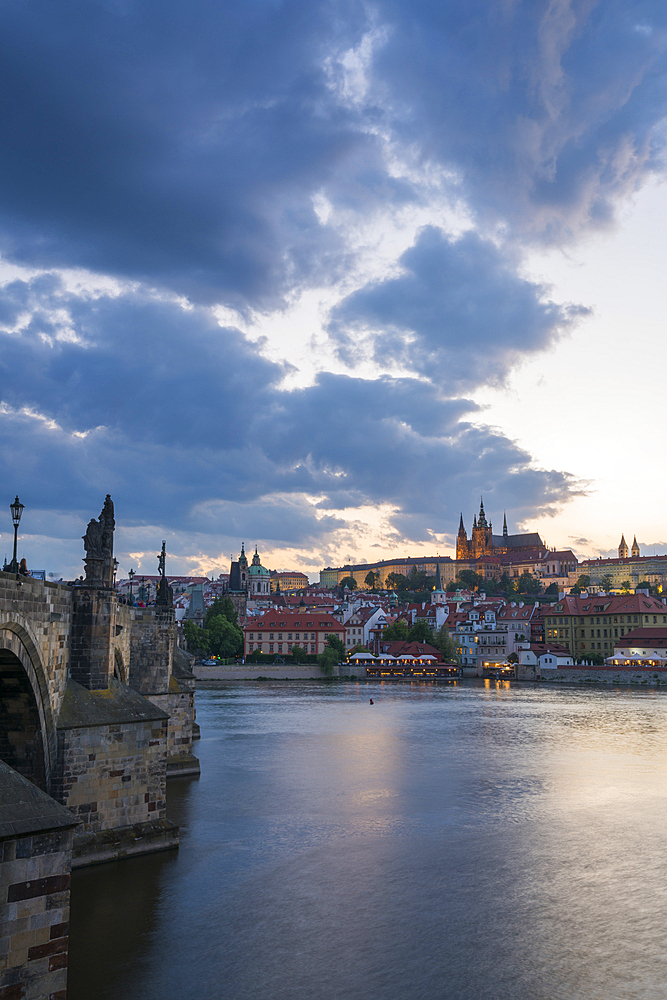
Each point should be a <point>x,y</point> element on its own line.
<point>40,612</point>
<point>124,625</point>
<point>93,636</point>
<point>34,915</point>
<point>641,678</point>
<point>180,705</point>
<point>152,649</point>
<point>114,775</point>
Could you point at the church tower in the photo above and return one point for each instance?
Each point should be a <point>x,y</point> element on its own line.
<point>462,547</point>
<point>635,548</point>
<point>482,541</point>
<point>623,551</point>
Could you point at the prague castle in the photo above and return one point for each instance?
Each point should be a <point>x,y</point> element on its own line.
<point>484,543</point>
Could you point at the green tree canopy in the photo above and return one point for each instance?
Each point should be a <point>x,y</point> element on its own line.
<point>371,579</point>
<point>349,582</point>
<point>647,585</point>
<point>420,632</point>
<point>552,590</point>
<point>333,642</point>
<point>444,641</point>
<point>327,660</point>
<point>221,606</point>
<point>529,584</point>
<point>196,638</point>
<point>469,580</point>
<point>396,581</point>
<point>225,639</point>
<point>397,630</point>
<point>583,581</point>
<point>299,654</point>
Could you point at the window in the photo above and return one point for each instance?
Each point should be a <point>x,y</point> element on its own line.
<point>251,636</point>
<point>250,645</point>
<point>312,635</point>
<point>289,647</point>
<point>270,647</point>
<point>280,635</point>
<point>280,647</point>
<point>289,636</point>
<point>271,636</point>
<point>312,647</point>
<point>259,635</point>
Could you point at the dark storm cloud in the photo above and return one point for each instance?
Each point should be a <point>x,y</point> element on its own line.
<point>181,143</point>
<point>181,146</point>
<point>181,420</point>
<point>546,111</point>
<point>458,313</point>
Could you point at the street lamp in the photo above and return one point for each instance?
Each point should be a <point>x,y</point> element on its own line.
<point>131,576</point>
<point>16,509</point>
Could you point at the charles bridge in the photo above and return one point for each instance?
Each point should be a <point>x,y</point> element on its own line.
<point>96,712</point>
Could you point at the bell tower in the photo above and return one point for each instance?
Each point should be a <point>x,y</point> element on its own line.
<point>623,551</point>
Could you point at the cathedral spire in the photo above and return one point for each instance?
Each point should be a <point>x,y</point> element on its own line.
<point>623,551</point>
<point>461,527</point>
<point>482,515</point>
<point>504,525</point>
<point>635,548</point>
<point>438,582</point>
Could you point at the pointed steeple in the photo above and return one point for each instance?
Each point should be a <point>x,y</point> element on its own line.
<point>474,522</point>
<point>635,548</point>
<point>482,515</point>
<point>504,525</point>
<point>462,530</point>
<point>438,582</point>
<point>622,548</point>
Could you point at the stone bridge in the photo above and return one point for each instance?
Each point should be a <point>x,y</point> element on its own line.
<point>96,712</point>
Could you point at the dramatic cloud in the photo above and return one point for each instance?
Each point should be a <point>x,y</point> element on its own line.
<point>458,313</point>
<point>188,427</point>
<point>233,155</point>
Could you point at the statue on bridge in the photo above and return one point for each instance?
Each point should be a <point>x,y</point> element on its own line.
<point>164,595</point>
<point>98,543</point>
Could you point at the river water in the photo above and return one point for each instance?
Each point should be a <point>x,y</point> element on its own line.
<point>471,841</point>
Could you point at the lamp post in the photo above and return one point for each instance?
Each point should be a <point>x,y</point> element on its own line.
<point>16,509</point>
<point>131,576</point>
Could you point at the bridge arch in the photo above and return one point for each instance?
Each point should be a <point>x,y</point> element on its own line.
<point>28,739</point>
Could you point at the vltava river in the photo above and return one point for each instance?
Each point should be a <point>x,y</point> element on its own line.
<point>461,842</point>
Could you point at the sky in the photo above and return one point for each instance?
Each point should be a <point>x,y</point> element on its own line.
<point>315,276</point>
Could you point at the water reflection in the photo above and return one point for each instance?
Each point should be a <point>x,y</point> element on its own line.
<point>466,841</point>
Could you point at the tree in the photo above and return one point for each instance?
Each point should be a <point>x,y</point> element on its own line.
<point>443,640</point>
<point>196,638</point>
<point>221,606</point>
<point>299,654</point>
<point>349,582</point>
<point>327,660</point>
<point>552,590</point>
<point>371,579</point>
<point>626,586</point>
<point>606,583</point>
<point>583,582</point>
<point>338,646</point>
<point>469,580</point>
<point>225,639</point>
<point>647,585</point>
<point>359,648</point>
<point>420,632</point>
<point>396,581</point>
<point>529,584</point>
<point>395,631</point>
